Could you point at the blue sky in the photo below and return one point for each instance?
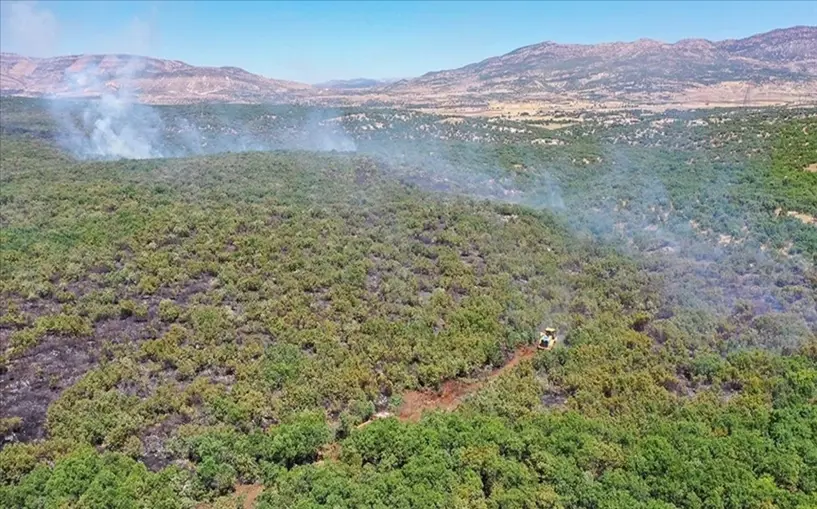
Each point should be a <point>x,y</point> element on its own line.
<point>312,41</point>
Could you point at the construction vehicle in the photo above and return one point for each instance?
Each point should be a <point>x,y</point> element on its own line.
<point>547,339</point>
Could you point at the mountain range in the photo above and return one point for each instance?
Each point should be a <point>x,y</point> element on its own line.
<point>774,67</point>
<point>152,80</point>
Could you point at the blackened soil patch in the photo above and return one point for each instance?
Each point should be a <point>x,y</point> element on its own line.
<point>155,455</point>
<point>31,382</point>
<point>36,378</point>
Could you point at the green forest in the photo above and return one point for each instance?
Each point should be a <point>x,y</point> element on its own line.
<point>173,330</point>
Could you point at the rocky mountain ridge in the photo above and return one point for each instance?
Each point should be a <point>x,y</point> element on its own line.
<point>775,67</point>
<point>151,80</point>
<point>641,70</point>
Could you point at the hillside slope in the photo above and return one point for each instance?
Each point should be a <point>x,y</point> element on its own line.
<point>177,332</point>
<point>776,67</point>
<point>152,80</point>
<point>782,62</point>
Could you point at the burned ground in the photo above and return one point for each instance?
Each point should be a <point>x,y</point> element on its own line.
<point>31,382</point>
<point>197,323</point>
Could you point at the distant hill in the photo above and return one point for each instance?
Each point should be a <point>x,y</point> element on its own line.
<point>770,68</point>
<point>355,83</point>
<point>153,80</point>
<point>783,60</point>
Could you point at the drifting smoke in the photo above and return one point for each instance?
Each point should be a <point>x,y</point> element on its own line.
<point>619,199</point>
<point>112,127</point>
<point>326,134</point>
<point>117,126</point>
<point>622,201</point>
<point>28,29</point>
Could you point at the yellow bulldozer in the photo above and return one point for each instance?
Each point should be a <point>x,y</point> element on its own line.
<point>547,339</point>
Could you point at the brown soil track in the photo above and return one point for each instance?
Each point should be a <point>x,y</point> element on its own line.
<point>453,392</point>
<point>250,492</point>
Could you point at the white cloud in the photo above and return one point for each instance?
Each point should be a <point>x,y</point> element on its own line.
<point>28,29</point>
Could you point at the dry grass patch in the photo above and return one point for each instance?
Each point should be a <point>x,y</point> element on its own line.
<point>806,218</point>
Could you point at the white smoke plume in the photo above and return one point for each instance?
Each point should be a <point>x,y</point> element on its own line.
<point>116,126</point>
<point>113,126</point>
